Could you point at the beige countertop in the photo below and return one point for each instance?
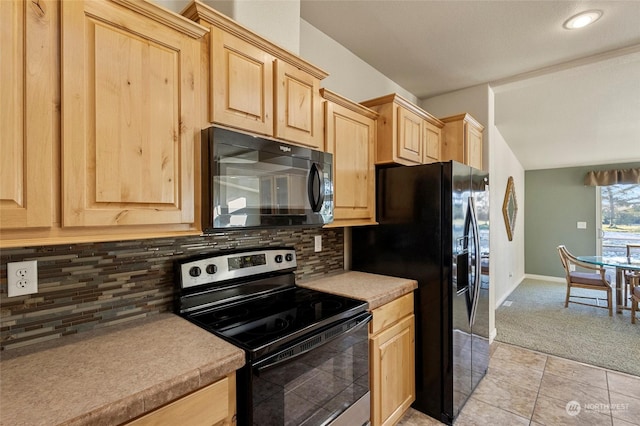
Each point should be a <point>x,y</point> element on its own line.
<point>111,375</point>
<point>376,289</point>
<point>114,374</point>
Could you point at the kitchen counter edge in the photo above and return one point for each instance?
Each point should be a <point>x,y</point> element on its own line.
<point>375,289</point>
<point>111,375</point>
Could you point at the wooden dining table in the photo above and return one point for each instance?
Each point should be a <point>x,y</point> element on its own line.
<point>621,263</point>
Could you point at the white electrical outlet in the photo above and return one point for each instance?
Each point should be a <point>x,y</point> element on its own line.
<point>318,243</point>
<point>22,278</point>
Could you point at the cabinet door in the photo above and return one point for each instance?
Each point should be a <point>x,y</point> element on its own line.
<point>431,143</point>
<point>473,140</point>
<point>298,106</point>
<point>130,90</point>
<point>392,372</point>
<point>28,112</point>
<point>351,139</point>
<point>410,143</point>
<point>241,94</point>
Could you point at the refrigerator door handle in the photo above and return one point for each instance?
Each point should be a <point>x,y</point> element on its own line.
<point>477,260</point>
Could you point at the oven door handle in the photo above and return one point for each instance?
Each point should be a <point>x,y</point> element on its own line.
<point>330,333</point>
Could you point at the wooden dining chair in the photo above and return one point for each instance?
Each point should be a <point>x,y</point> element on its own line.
<point>630,276</point>
<point>635,298</point>
<point>595,278</point>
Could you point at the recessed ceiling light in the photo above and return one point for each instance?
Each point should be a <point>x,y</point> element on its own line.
<point>582,19</point>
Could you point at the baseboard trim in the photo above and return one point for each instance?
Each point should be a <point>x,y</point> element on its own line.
<point>500,301</point>
<point>545,278</point>
<point>493,335</point>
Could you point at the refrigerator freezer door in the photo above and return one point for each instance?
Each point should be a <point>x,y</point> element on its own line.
<point>461,305</point>
<point>480,328</point>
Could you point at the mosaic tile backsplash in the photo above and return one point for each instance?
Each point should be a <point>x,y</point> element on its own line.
<point>86,286</point>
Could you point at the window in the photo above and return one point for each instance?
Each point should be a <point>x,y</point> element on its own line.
<point>620,215</point>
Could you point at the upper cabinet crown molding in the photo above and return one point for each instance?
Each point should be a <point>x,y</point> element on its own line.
<point>462,140</point>
<point>406,104</point>
<point>407,134</point>
<point>199,11</point>
<point>165,17</point>
<point>463,117</point>
<point>257,86</point>
<point>347,103</point>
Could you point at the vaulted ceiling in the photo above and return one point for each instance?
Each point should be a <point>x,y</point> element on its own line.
<point>562,98</point>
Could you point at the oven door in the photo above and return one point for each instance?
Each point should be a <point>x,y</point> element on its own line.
<point>255,182</point>
<point>322,379</point>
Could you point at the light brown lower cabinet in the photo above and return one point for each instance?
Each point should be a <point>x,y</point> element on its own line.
<point>392,360</point>
<point>214,404</point>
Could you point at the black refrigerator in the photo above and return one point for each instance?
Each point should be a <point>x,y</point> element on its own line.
<point>434,228</point>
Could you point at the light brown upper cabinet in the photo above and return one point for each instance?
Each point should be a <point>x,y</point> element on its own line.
<point>130,99</point>
<point>241,83</point>
<point>256,86</point>
<point>432,143</point>
<point>407,134</point>
<point>29,112</point>
<point>409,145</point>
<point>462,140</point>
<point>350,137</point>
<point>298,106</point>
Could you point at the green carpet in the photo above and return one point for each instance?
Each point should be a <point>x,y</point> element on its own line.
<point>538,320</point>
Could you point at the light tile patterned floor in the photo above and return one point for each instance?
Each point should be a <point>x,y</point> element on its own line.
<point>524,387</point>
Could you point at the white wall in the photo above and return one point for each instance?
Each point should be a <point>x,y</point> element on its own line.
<point>277,21</point>
<point>349,75</point>
<point>280,23</point>
<point>474,100</point>
<point>507,257</point>
<point>508,268</point>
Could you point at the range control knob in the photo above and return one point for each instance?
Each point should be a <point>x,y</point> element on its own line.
<point>195,271</point>
<point>278,258</point>
<point>211,269</point>
<point>288,257</point>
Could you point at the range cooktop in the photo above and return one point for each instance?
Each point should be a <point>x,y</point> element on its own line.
<point>250,299</point>
<point>275,319</point>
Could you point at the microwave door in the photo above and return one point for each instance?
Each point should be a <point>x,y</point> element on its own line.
<point>255,182</point>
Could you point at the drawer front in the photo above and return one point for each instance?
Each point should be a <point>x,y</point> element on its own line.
<point>206,406</point>
<point>388,314</point>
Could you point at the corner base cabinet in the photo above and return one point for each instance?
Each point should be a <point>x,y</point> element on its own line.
<point>214,404</point>
<point>392,360</point>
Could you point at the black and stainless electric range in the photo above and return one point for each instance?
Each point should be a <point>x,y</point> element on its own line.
<point>307,351</point>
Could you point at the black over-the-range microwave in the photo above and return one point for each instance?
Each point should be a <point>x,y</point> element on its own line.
<point>254,182</point>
